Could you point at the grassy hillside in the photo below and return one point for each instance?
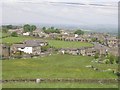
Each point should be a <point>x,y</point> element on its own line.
<point>54,43</point>
<point>12,40</point>
<point>56,66</point>
<point>59,85</point>
<point>68,44</point>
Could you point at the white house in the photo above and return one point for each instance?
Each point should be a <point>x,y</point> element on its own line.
<point>26,34</point>
<point>26,50</point>
<point>76,35</point>
<point>30,47</point>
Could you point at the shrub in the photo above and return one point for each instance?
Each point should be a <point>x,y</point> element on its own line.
<point>14,34</point>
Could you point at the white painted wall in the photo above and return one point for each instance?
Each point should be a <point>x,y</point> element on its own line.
<point>42,44</point>
<point>26,34</point>
<point>26,50</point>
<point>76,35</point>
<point>63,52</point>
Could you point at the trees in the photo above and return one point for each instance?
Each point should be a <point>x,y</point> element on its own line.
<point>94,39</point>
<point>26,28</point>
<point>44,28</point>
<point>50,30</point>
<point>96,56</point>
<point>33,27</point>
<point>4,30</point>
<point>29,28</point>
<point>79,32</point>
<point>45,48</point>
<point>117,59</point>
<point>14,34</point>
<point>112,59</point>
<point>9,26</point>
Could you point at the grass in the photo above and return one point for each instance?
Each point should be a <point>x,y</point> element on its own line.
<point>3,34</point>
<point>54,43</point>
<point>12,40</point>
<point>68,44</point>
<point>59,85</point>
<point>55,66</point>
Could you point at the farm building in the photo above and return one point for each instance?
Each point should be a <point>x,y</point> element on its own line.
<point>29,47</point>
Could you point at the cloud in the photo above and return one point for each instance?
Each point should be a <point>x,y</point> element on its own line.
<point>69,12</point>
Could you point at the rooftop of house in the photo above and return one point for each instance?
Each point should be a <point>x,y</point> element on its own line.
<point>37,31</point>
<point>34,43</point>
<point>111,38</point>
<point>20,29</point>
<point>19,45</point>
<point>71,49</point>
<point>90,50</point>
<point>100,46</point>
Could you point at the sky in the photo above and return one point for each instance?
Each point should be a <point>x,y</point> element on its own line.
<point>73,12</point>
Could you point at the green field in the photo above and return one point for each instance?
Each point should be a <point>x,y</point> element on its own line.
<point>54,43</point>
<point>3,34</point>
<point>68,44</point>
<point>55,66</point>
<point>59,85</point>
<point>12,40</point>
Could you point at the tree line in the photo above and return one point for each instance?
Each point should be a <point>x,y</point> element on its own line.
<point>50,30</point>
<point>29,28</point>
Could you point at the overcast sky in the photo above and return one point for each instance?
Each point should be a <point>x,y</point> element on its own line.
<point>76,12</point>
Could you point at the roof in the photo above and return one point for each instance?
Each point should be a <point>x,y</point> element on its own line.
<point>19,45</point>
<point>72,49</point>
<point>100,46</point>
<point>37,31</point>
<point>34,43</point>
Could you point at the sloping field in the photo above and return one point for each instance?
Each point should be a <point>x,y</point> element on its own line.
<point>56,66</point>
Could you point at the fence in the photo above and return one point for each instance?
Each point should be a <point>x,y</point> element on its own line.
<point>63,80</point>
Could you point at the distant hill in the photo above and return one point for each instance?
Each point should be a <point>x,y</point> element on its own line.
<point>94,28</point>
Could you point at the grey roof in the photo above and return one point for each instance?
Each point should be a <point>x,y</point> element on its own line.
<point>72,49</point>
<point>19,45</point>
<point>34,43</point>
<point>99,46</point>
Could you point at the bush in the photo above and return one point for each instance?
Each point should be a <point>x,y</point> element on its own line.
<point>51,30</point>
<point>79,32</point>
<point>96,56</point>
<point>14,34</point>
<point>45,48</point>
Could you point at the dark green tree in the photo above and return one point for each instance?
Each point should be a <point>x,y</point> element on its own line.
<point>26,28</point>
<point>33,27</point>
<point>52,28</point>
<point>79,32</point>
<point>111,58</point>
<point>14,34</point>
<point>45,48</point>
<point>29,28</point>
<point>94,39</point>
<point>4,30</point>
<point>117,59</point>
<point>96,56</point>
<point>44,28</point>
<point>9,26</point>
